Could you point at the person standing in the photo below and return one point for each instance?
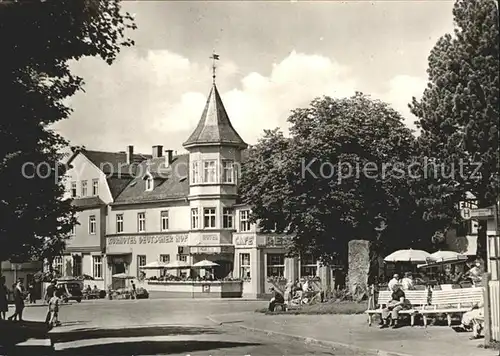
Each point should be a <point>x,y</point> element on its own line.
<point>134,290</point>
<point>31,291</point>
<point>49,293</point>
<point>18,301</point>
<point>4,305</point>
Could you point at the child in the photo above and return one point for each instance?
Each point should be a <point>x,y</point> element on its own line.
<point>54,309</point>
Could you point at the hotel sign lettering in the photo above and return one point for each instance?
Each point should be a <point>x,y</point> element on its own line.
<point>210,237</point>
<point>153,239</point>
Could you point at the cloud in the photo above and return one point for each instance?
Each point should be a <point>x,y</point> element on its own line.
<point>157,97</point>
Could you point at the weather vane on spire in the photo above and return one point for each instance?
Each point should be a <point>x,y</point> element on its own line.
<point>215,57</point>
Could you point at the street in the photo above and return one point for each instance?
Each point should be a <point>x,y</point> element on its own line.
<point>161,327</point>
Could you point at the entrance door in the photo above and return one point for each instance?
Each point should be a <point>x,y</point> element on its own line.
<point>118,267</point>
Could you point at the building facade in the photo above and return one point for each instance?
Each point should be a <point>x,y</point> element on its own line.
<point>165,207</point>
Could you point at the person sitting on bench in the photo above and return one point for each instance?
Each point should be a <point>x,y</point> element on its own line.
<point>397,303</point>
<point>276,299</point>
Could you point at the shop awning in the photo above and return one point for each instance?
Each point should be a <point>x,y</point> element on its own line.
<point>118,253</point>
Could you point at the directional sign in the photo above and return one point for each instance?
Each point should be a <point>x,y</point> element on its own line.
<point>484,213</point>
<point>465,213</point>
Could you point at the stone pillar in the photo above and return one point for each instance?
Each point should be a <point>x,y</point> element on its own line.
<point>326,277</point>
<point>291,269</point>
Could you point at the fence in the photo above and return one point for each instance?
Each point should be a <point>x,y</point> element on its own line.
<point>495,309</point>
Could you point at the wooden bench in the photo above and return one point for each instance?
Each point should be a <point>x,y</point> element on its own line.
<point>418,299</point>
<point>454,301</point>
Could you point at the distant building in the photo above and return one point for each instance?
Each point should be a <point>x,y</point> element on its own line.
<point>166,207</point>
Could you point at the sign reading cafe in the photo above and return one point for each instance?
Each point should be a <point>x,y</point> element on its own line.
<point>152,239</point>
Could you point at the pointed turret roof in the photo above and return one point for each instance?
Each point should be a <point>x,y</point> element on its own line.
<point>214,127</point>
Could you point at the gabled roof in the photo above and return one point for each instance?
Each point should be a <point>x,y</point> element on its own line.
<point>111,162</point>
<point>214,127</point>
<point>171,182</point>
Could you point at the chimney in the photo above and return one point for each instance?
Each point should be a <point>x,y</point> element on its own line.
<point>130,154</point>
<point>169,157</point>
<point>157,151</point>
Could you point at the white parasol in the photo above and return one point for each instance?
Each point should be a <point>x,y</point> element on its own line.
<point>177,265</point>
<point>154,265</point>
<point>205,264</point>
<point>440,258</point>
<point>414,256</point>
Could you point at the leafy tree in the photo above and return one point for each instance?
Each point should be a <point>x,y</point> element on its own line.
<point>342,175</point>
<point>38,39</point>
<point>458,116</point>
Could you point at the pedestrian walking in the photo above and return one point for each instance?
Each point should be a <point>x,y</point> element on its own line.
<point>4,305</point>
<point>53,312</point>
<point>31,291</point>
<point>134,290</point>
<point>49,293</point>
<point>18,301</point>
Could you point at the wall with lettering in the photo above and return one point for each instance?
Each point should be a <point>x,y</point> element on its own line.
<point>150,245</point>
<point>178,218</point>
<point>244,240</point>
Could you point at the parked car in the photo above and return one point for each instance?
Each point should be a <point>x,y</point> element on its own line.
<point>72,289</point>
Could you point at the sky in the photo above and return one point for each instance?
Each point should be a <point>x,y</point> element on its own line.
<point>275,56</point>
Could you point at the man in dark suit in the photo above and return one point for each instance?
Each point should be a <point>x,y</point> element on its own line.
<point>18,301</point>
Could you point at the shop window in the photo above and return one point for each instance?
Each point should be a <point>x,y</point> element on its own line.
<point>245,266</point>
<point>141,261</point>
<point>77,266</point>
<point>164,259</point>
<point>275,265</point>
<point>308,266</point>
<point>97,267</point>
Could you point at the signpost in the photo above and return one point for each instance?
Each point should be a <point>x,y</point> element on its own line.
<point>477,214</point>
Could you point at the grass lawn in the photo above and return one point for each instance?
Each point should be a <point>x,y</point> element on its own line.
<point>333,307</point>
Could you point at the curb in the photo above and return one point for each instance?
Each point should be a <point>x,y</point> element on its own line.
<point>309,340</point>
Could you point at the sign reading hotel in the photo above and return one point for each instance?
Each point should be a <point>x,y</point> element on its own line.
<point>146,240</point>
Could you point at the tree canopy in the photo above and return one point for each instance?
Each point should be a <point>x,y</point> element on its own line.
<point>342,175</point>
<point>37,41</point>
<point>458,116</point>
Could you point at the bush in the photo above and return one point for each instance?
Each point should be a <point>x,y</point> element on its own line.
<point>330,307</point>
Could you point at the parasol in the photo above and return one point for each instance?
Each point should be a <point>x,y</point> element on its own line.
<point>154,265</point>
<point>205,264</point>
<point>414,256</point>
<point>177,265</point>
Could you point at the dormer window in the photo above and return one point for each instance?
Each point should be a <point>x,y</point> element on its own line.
<point>149,182</point>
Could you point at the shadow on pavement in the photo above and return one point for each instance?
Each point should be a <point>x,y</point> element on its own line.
<point>151,348</point>
<point>86,334</point>
<point>13,332</point>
